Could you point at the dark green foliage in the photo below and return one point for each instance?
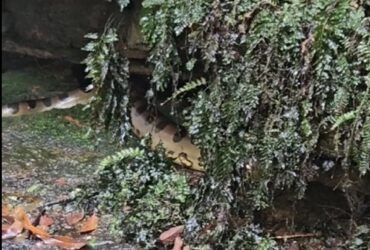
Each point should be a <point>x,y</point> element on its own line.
<point>109,73</point>
<point>282,77</point>
<point>248,237</point>
<point>144,192</point>
<point>158,25</point>
<point>283,80</point>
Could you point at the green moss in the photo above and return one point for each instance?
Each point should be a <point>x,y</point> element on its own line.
<point>50,125</point>
<point>19,85</point>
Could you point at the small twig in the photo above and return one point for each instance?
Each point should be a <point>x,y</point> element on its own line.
<point>42,210</point>
<point>36,221</point>
<point>66,200</point>
<point>61,201</point>
<point>292,236</point>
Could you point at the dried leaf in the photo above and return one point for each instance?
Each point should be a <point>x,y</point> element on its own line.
<point>65,242</point>
<point>40,233</point>
<point>178,243</point>
<point>20,215</point>
<point>74,217</point>
<point>5,210</point>
<point>170,235</point>
<point>90,225</point>
<point>12,231</point>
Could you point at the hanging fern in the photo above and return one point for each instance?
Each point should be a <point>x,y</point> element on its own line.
<point>97,61</point>
<point>341,100</point>
<point>349,116</point>
<point>189,86</point>
<point>109,72</point>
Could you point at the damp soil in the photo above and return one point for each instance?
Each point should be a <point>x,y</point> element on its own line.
<point>48,155</point>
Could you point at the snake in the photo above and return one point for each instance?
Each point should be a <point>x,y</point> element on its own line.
<point>178,146</point>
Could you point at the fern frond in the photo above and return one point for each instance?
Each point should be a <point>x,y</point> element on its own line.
<point>341,100</point>
<point>344,118</point>
<point>127,153</point>
<point>189,86</point>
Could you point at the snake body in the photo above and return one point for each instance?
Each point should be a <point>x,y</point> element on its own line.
<point>178,146</point>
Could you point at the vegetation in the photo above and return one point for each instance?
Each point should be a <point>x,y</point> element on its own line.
<point>144,191</point>
<point>111,103</point>
<point>279,94</point>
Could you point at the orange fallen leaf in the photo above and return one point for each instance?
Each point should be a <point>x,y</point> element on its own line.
<point>170,235</point>
<point>178,243</point>
<point>6,214</point>
<point>65,242</point>
<point>23,222</point>
<point>5,210</point>
<point>73,121</point>
<point>90,225</point>
<point>12,231</point>
<point>20,215</point>
<point>74,217</point>
<point>39,232</point>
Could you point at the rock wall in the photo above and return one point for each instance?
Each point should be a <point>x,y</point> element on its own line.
<point>56,29</point>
